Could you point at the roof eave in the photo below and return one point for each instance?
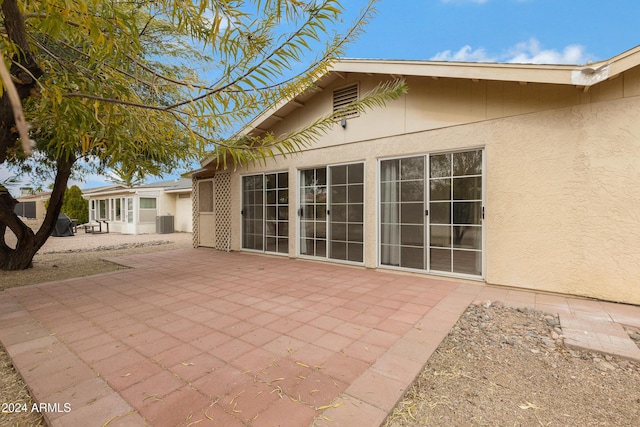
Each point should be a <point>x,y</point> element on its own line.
<point>575,75</point>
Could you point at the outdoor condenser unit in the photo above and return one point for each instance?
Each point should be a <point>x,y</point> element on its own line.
<point>164,224</point>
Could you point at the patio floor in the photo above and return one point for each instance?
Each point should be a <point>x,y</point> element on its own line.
<point>235,339</point>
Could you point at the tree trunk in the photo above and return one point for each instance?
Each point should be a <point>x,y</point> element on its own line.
<point>24,71</point>
<point>29,243</point>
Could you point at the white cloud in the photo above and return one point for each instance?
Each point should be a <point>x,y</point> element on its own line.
<point>466,54</point>
<point>529,52</point>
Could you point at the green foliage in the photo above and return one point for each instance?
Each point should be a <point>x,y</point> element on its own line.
<point>75,206</point>
<point>149,86</point>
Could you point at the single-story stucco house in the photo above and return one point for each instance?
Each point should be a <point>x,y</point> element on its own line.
<point>517,175</point>
<point>135,210</point>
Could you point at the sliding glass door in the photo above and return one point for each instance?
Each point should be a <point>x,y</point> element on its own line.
<point>431,212</point>
<point>346,212</point>
<point>331,214</point>
<point>253,212</point>
<point>402,212</point>
<point>265,212</point>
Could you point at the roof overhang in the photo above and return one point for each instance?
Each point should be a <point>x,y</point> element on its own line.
<point>178,190</point>
<point>581,76</point>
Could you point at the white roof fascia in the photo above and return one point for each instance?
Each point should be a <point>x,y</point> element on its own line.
<point>124,191</point>
<point>577,75</point>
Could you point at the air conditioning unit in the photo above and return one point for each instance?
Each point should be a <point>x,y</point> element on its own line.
<point>164,224</point>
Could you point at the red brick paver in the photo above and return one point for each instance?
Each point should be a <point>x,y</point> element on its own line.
<point>233,339</point>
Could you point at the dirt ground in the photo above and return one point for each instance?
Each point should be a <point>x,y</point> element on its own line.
<point>81,255</point>
<point>497,367</point>
<point>508,367</point>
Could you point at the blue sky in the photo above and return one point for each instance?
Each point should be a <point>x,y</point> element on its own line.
<point>542,31</point>
<point>533,31</point>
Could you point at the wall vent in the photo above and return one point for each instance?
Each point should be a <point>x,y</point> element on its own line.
<point>343,97</point>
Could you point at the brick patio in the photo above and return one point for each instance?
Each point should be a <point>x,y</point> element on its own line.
<point>234,339</point>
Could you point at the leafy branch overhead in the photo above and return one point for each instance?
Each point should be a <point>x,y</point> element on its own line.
<point>148,86</point>
<point>251,149</point>
<point>169,76</point>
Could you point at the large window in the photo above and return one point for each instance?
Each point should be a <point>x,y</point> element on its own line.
<point>431,212</point>
<point>102,209</point>
<point>332,212</point>
<point>26,209</point>
<point>148,209</point>
<point>265,212</point>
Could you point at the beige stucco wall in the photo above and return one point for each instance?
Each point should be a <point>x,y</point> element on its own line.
<point>561,178</point>
<point>183,221</point>
<point>563,201</point>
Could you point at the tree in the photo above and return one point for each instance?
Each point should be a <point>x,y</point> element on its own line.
<point>75,206</point>
<point>146,86</point>
<point>130,178</point>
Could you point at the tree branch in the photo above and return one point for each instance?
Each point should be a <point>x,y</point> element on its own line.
<point>16,106</point>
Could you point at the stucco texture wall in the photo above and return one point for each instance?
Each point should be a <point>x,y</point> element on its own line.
<point>561,179</point>
<point>563,203</point>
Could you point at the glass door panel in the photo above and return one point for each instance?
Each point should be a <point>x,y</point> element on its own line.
<point>346,212</point>
<point>402,212</point>
<point>253,212</point>
<point>313,208</point>
<point>455,194</point>
<point>265,212</point>
<point>277,212</point>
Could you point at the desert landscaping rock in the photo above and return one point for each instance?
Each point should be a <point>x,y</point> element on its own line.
<point>121,246</point>
<point>529,379</point>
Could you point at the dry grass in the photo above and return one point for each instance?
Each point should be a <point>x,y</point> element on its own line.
<point>14,392</point>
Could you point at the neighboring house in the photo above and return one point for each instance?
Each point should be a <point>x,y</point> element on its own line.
<point>134,210</point>
<point>517,175</point>
<point>31,208</point>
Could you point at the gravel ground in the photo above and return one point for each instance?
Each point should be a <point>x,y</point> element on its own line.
<point>509,367</point>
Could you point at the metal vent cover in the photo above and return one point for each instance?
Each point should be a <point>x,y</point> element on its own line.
<point>343,97</point>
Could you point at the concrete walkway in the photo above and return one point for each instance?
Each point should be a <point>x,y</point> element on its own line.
<point>199,337</point>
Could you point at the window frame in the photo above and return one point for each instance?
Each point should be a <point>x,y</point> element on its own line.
<point>427,223</point>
